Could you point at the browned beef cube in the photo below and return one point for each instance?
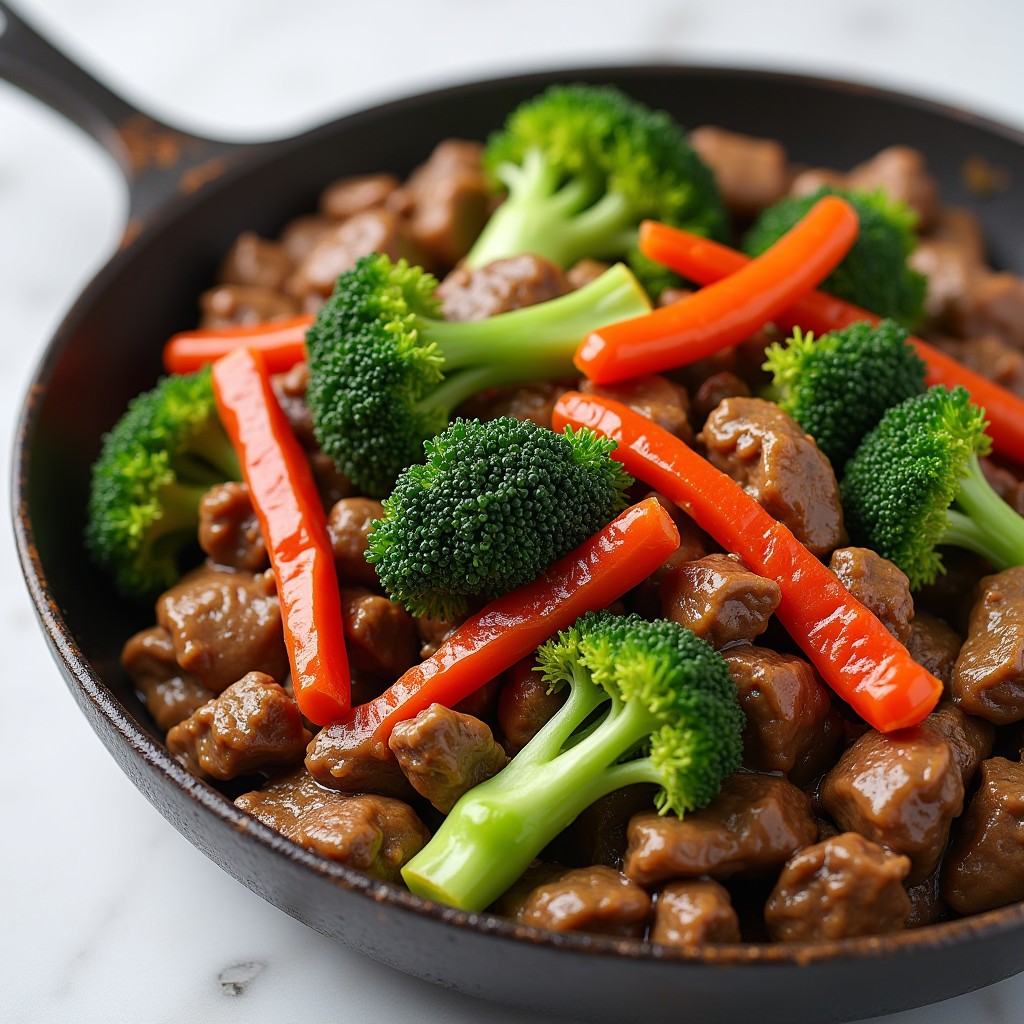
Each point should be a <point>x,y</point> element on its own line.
<point>380,635</point>
<point>933,644</point>
<point>170,693</point>
<point>243,304</point>
<point>252,726</point>
<point>444,753</point>
<point>596,899</point>
<point>984,868</point>
<point>257,263</point>
<point>994,305</point>
<point>879,585</point>
<point>791,727</point>
<point>751,173</point>
<point>780,467</point>
<point>533,402</point>
<point>225,624</point>
<point>349,527</point>
<point>348,196</point>
<point>950,273</point>
<point>900,789</point>
<point>694,911</point>
<point>719,598</point>
<point>229,531</point>
<point>713,391</point>
<point>338,761</point>
<point>653,396</point>
<point>842,888</point>
<point>525,705</point>
<point>988,678</point>
<point>476,293</point>
<point>753,826</point>
<point>971,739</point>
<point>301,233</point>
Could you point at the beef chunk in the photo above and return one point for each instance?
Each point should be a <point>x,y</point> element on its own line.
<point>791,727</point>
<point>901,789</point>
<point>719,598</point>
<point>653,396</point>
<point>447,200</point>
<point>713,391</point>
<point>225,624</point>
<point>959,226</point>
<point>988,678</point>
<point>599,833</point>
<point>336,760</point>
<point>950,273</point>
<point>525,706</point>
<point>374,834</point>
<point>779,466</point>
<point>533,402</point>
<point>229,531</point>
<point>252,726</point>
<point>995,305</point>
<point>444,754</point>
<point>984,868</point>
<point>348,526</point>
<point>302,233</point>
<point>380,635</point>
<point>341,246</point>
<point>433,632</point>
<point>971,739</point>
<point>933,644</point>
<point>476,293</point>
<point>879,585</point>
<point>596,899</point>
<point>992,357</point>
<point>754,825</point>
<point>751,173</point>
<point>290,392</point>
<point>587,270</point>
<point>926,903</point>
<point>256,263</point>
<point>839,889</point>
<point>170,693</point>
<point>243,304</point>
<point>348,196</point>
<point>694,911</point>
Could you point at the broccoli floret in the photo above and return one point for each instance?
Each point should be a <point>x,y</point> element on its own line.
<point>648,702</point>
<point>839,386</point>
<point>156,463</point>
<point>385,371</point>
<point>493,506</point>
<point>874,273</point>
<point>915,483</point>
<point>583,165</point>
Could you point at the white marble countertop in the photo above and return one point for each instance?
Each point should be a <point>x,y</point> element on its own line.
<point>108,915</point>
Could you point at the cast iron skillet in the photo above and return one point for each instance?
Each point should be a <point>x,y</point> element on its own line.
<point>189,198</point>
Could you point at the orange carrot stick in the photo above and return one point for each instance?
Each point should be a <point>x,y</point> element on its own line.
<point>282,344</point>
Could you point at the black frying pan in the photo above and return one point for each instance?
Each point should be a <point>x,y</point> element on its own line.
<point>189,198</point>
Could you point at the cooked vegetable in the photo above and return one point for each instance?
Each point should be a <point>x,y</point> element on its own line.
<point>915,483</point>
<point>282,343</point>
<point>705,262</point>
<point>494,504</point>
<point>724,313</point>
<point>657,688</point>
<point>156,463</point>
<point>590,577</point>
<point>294,528</point>
<point>839,386</point>
<point>583,165</point>
<point>874,274</point>
<point>386,371</point>
<point>854,653</point>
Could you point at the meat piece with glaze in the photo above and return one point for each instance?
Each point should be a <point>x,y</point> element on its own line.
<point>225,624</point>
<point>719,598</point>
<point>902,790</point>
<point>525,705</point>
<point>752,827</point>
<point>984,868</point>
<point>751,173</point>
<point>476,293</point>
<point>380,635</point>
<point>653,396</point>
<point>229,532</point>
<point>879,585</point>
<point>934,644</point>
<point>348,526</point>
<point>170,693</point>
<point>252,726</point>
<point>988,677</point>
<point>595,899</point>
<point>842,888</point>
<point>971,739</point>
<point>374,834</point>
<point>256,263</point>
<point>229,304</point>
<point>335,760</point>
<point>780,467</point>
<point>694,911</point>
<point>444,753</point>
<point>994,305</point>
<point>791,726</point>
<point>346,197</point>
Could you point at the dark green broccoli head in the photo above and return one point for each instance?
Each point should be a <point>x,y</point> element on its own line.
<point>839,386</point>
<point>874,274</point>
<point>583,165</point>
<point>915,483</point>
<point>493,506</point>
<point>155,464</point>
<point>696,733</point>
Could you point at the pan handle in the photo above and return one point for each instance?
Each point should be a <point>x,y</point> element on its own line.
<point>158,161</point>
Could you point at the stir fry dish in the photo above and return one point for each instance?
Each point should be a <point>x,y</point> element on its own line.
<point>611,527</point>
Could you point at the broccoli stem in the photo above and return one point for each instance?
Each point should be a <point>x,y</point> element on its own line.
<point>179,507</point>
<point>982,522</point>
<point>497,828</point>
<point>556,222</point>
<point>538,342</point>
